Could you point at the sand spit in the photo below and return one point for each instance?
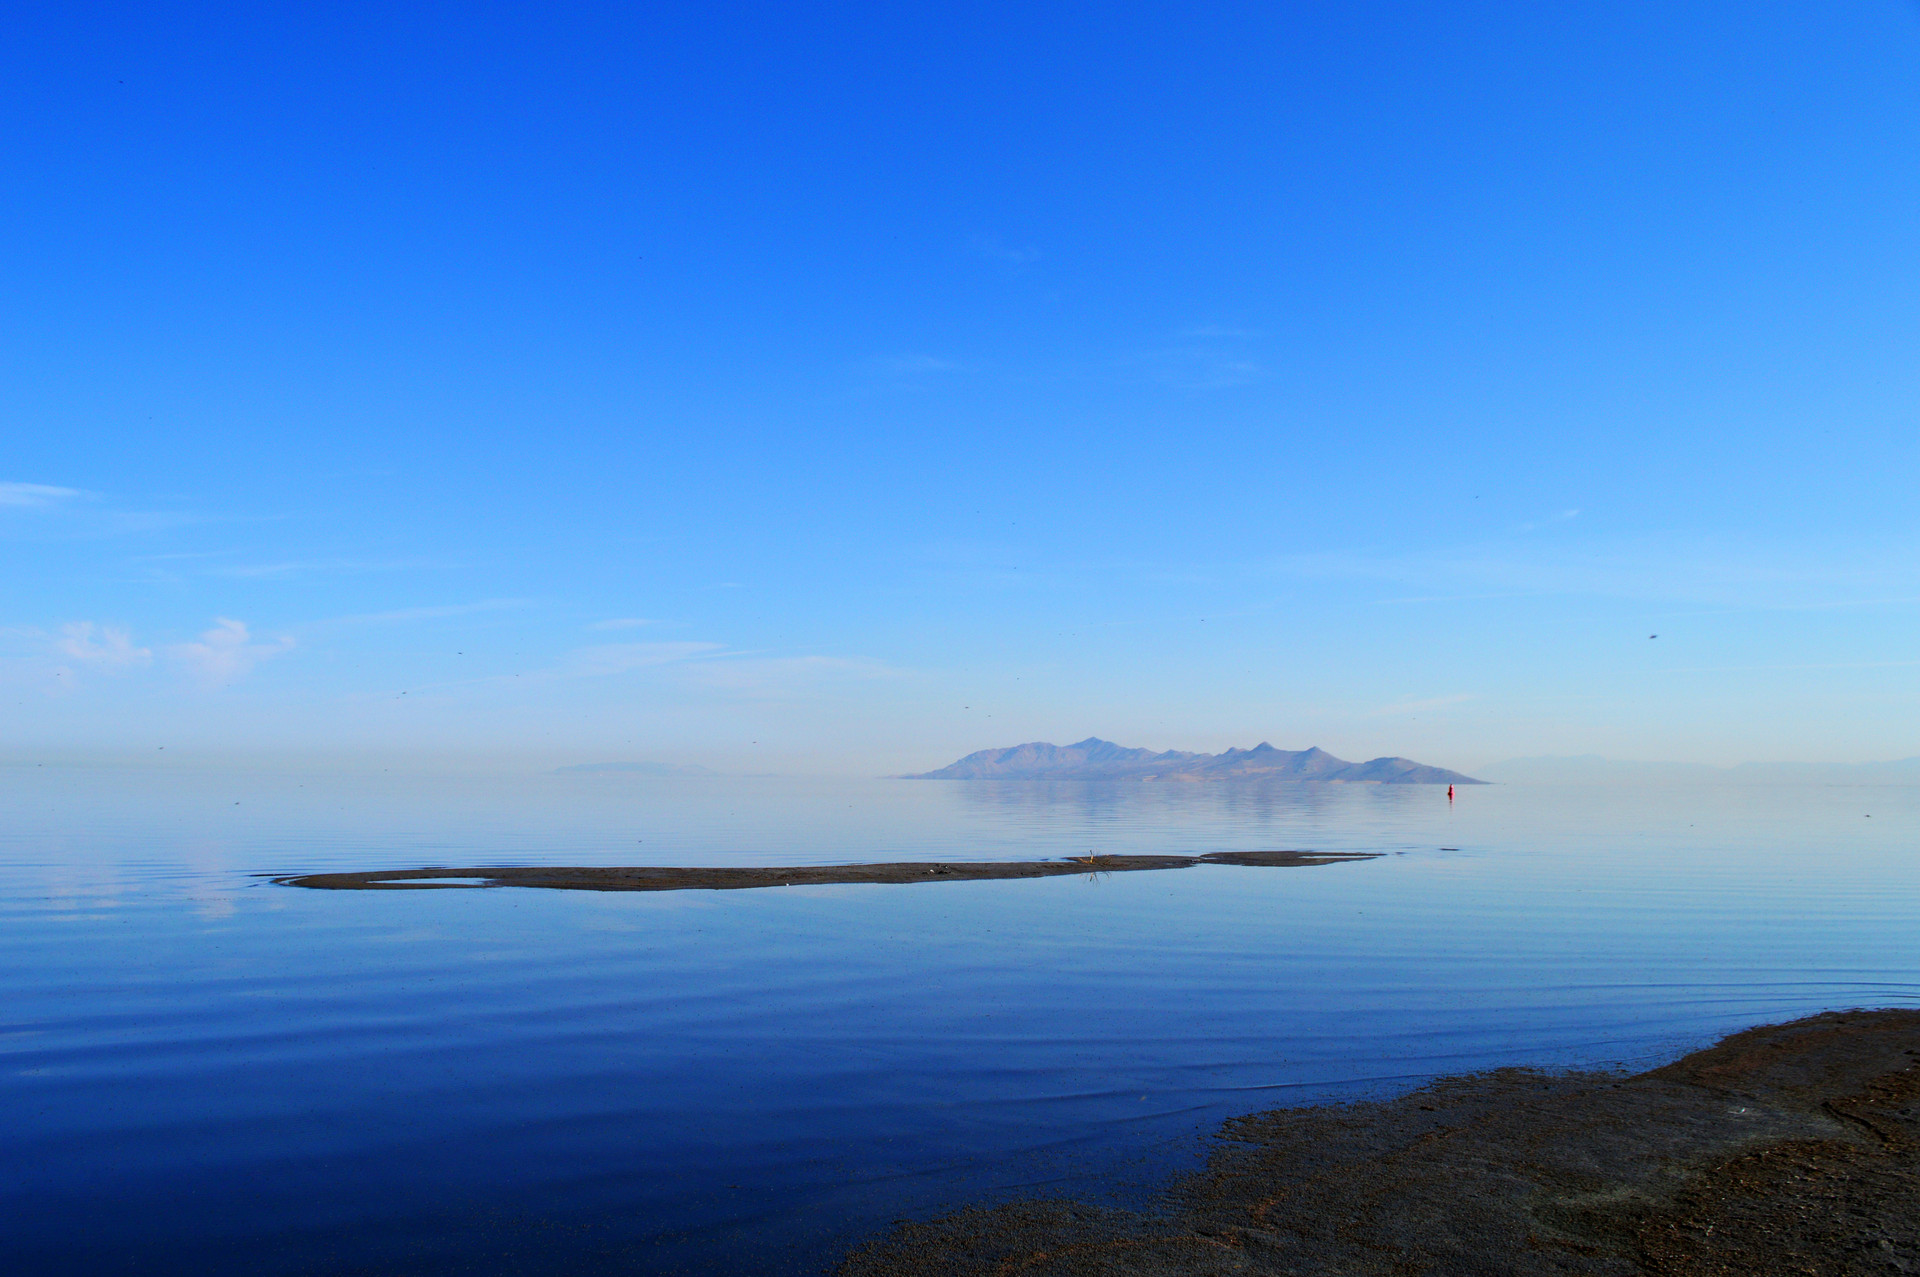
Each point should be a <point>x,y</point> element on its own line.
<point>1788,1149</point>
<point>649,878</point>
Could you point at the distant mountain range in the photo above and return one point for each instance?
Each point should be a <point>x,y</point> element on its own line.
<point>1096,759</point>
<point>634,769</point>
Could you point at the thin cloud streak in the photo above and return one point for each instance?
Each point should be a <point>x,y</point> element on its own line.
<point>401,615</point>
<point>1448,598</point>
<point>1651,572</point>
<point>778,677</point>
<point>619,658</point>
<point>905,366</point>
<point>702,666</point>
<point>36,495</point>
<point>323,567</point>
<point>993,249</point>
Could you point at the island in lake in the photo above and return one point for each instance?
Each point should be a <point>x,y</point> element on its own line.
<point>1096,759</point>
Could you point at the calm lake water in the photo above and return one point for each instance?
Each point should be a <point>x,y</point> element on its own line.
<point>202,1072</point>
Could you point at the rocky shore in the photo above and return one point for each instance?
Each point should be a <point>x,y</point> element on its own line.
<point>1786,1149</point>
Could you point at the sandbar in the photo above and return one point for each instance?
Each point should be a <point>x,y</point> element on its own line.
<point>726,878</point>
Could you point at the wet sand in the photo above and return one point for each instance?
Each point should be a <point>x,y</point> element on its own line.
<point>652,878</point>
<point>1786,1149</point>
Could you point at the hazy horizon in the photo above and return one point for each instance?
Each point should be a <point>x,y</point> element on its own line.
<point>1548,768</point>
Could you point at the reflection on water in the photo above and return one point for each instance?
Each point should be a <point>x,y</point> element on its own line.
<point>1099,805</point>
<point>202,1072</point>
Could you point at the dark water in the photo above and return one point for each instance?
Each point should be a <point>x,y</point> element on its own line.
<point>204,1073</point>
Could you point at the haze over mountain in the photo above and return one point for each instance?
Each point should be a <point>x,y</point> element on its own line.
<point>1096,759</point>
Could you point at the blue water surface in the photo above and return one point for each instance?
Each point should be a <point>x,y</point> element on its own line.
<point>203,1072</point>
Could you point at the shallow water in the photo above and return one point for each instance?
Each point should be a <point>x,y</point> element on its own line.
<point>204,1072</point>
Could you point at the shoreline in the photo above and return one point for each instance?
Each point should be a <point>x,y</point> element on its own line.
<point>1786,1148</point>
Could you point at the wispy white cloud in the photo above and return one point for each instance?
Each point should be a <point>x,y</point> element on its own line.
<point>618,658</point>
<point>1562,516</point>
<point>226,652</point>
<point>1666,571</point>
<point>905,366</point>
<point>782,676</point>
<point>86,515</point>
<point>600,660</point>
<point>103,647</point>
<point>994,249</point>
<point>622,623</point>
<point>1208,358</point>
<point>58,662</point>
<point>313,567</point>
<point>262,570</point>
<point>123,522</point>
<point>34,495</point>
<point>400,615</point>
<point>708,666</point>
<point>1207,370</point>
<point>1449,598</point>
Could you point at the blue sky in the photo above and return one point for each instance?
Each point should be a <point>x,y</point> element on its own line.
<point>847,388</point>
